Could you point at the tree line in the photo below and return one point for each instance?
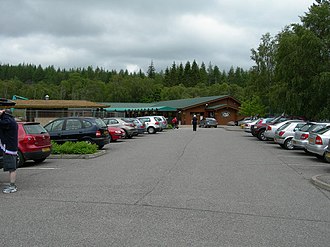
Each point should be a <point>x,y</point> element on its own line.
<point>291,74</point>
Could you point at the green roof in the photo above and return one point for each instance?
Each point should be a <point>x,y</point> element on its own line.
<point>185,103</point>
<point>150,108</point>
<point>128,105</point>
<point>169,105</point>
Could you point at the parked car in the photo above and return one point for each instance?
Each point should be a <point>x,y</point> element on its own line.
<point>285,133</point>
<point>87,129</point>
<point>327,153</point>
<point>258,129</point>
<point>162,122</point>
<point>247,125</point>
<point>300,138</point>
<point>129,128</point>
<point>137,123</point>
<point>271,128</point>
<point>243,121</point>
<point>208,123</point>
<point>33,143</point>
<point>318,142</point>
<point>116,133</point>
<point>151,123</point>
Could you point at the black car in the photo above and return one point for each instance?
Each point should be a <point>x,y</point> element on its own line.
<point>87,129</point>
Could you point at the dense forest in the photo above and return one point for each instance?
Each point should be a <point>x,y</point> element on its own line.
<point>291,74</point>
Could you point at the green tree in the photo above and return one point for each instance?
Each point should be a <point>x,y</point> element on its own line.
<point>303,65</point>
<point>151,73</point>
<point>252,107</point>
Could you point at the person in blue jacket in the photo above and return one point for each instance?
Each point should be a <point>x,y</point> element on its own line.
<point>9,147</point>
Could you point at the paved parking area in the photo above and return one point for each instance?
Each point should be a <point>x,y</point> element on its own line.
<point>177,188</point>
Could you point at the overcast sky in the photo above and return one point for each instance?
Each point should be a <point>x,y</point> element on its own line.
<point>129,34</point>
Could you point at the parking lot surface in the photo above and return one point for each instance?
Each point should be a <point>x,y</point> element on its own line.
<point>211,187</point>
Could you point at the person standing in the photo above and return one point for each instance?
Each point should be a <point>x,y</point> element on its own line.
<point>9,147</point>
<point>194,123</point>
<point>175,123</point>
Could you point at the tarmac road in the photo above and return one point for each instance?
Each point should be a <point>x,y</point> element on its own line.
<point>176,188</point>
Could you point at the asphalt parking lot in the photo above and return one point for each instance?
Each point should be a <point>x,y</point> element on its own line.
<point>212,187</point>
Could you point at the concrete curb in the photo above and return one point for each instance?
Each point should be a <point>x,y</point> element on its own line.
<point>322,181</point>
<point>77,156</point>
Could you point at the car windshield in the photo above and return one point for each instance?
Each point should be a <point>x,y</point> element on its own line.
<point>34,129</point>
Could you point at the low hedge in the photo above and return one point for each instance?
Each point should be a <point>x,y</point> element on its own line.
<point>74,148</point>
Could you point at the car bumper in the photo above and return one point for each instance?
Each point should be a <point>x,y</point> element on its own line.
<point>35,155</point>
<point>299,143</point>
<point>101,142</point>
<point>116,137</point>
<point>279,140</point>
<point>269,134</point>
<point>316,149</point>
<point>141,131</point>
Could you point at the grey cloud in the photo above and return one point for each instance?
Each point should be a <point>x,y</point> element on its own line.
<point>116,34</point>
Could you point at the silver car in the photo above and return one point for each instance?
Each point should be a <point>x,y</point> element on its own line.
<point>129,128</point>
<point>318,142</point>
<point>247,125</point>
<point>162,122</point>
<point>327,153</point>
<point>285,133</point>
<point>271,128</point>
<point>151,123</point>
<point>300,138</point>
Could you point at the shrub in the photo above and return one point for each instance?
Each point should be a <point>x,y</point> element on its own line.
<point>74,148</point>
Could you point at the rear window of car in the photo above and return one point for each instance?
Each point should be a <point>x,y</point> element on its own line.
<point>87,124</point>
<point>100,122</point>
<point>306,127</point>
<point>323,130</point>
<point>284,126</point>
<point>34,129</point>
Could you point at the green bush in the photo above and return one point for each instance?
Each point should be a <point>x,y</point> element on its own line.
<point>74,148</point>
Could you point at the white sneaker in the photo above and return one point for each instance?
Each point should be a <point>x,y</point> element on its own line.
<point>10,189</point>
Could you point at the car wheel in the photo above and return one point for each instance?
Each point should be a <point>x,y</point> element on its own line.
<point>261,135</point>
<point>39,160</point>
<point>20,159</point>
<point>151,130</point>
<point>288,144</point>
<point>326,157</point>
<point>100,146</point>
<point>320,157</point>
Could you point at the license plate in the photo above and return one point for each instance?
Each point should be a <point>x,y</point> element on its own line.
<point>45,149</point>
<point>311,140</point>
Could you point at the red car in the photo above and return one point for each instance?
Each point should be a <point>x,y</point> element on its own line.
<point>116,133</point>
<point>33,142</point>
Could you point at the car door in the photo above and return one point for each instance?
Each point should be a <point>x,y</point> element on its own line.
<point>72,130</point>
<point>55,129</point>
